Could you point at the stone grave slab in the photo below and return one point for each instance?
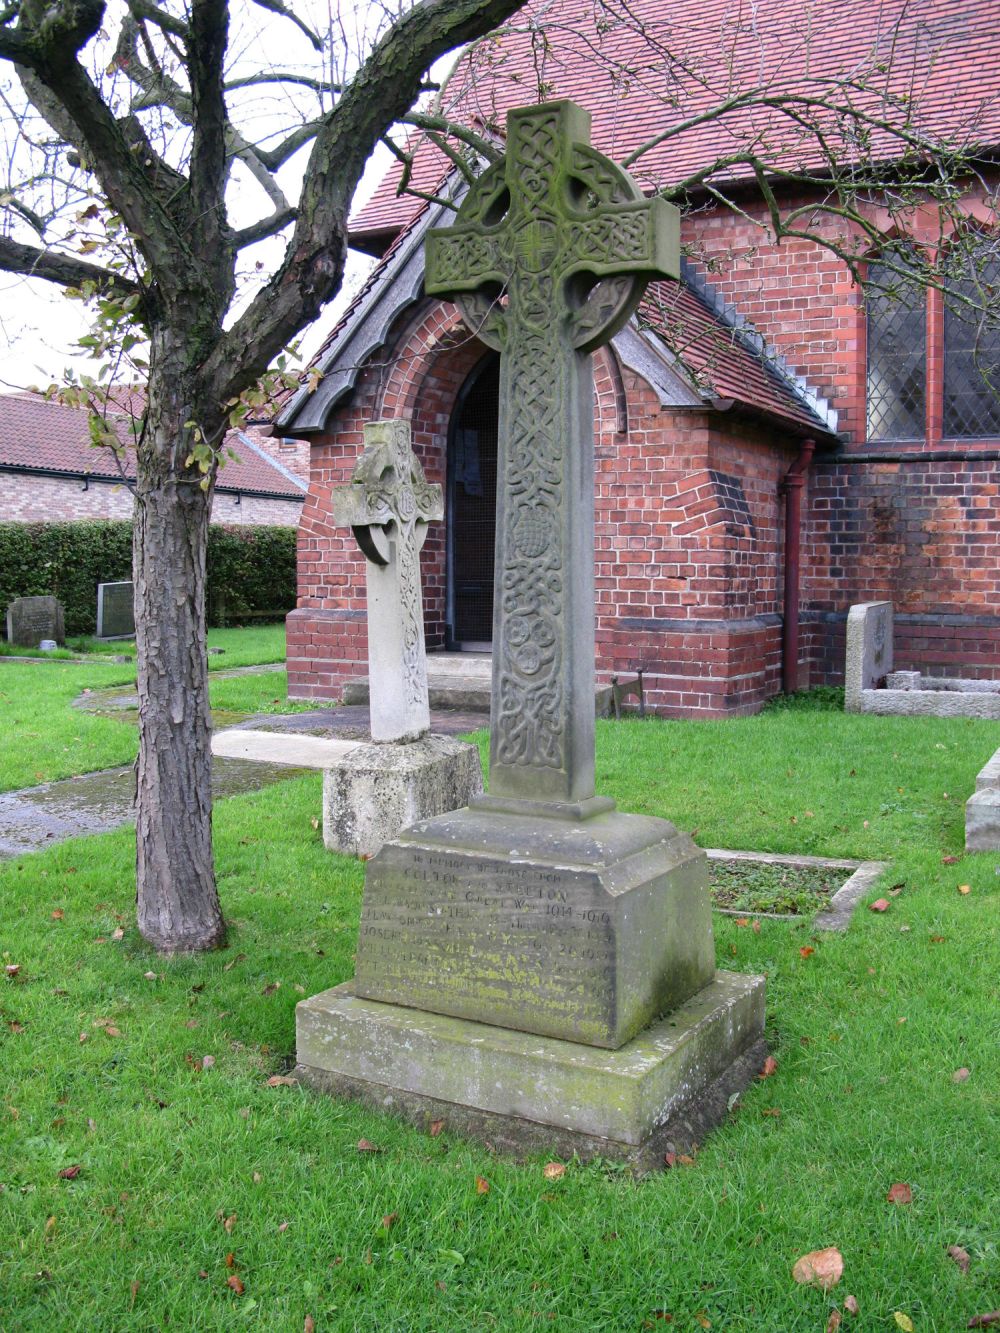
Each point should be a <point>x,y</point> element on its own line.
<point>32,619</point>
<point>115,610</point>
<point>869,650</point>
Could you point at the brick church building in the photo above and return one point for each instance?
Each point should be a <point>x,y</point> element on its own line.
<point>774,443</point>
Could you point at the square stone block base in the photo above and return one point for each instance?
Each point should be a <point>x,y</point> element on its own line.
<point>982,821</point>
<point>521,1094</point>
<point>376,791</point>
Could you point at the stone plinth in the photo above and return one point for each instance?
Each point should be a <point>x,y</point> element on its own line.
<point>375,791</point>
<point>982,810</point>
<point>32,619</point>
<point>869,650</point>
<point>583,929</point>
<point>527,1092</point>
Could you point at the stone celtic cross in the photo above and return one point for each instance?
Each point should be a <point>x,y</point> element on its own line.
<point>388,504</point>
<point>548,257</point>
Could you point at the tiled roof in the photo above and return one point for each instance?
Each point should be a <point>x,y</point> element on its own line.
<point>939,54</point>
<point>37,435</point>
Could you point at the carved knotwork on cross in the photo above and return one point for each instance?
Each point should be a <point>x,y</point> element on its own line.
<point>548,257</point>
<point>388,504</point>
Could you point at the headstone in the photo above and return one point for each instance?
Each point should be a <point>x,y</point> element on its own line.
<point>116,610</point>
<point>377,790</point>
<point>32,619</point>
<point>869,650</point>
<point>541,909</point>
<point>388,504</point>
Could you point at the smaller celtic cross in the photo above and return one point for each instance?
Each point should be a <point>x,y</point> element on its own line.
<point>388,504</point>
<point>548,257</point>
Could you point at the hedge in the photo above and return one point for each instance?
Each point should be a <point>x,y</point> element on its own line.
<point>251,571</point>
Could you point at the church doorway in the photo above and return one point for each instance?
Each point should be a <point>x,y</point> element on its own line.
<point>471,509</point>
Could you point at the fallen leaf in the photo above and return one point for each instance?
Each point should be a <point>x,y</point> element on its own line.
<point>959,1256</point>
<point>756,927</point>
<point>84,1036</point>
<point>436,1128</point>
<point>309,1324</point>
<point>554,1170</point>
<point>235,1284</point>
<point>937,939</point>
<point>228,1223</point>
<point>281,1081</point>
<point>669,1159</point>
<point>270,989</point>
<point>742,921</point>
<point>807,951</point>
<point>771,1110</point>
<point>685,1159</point>
<point>879,905</point>
<point>16,1027</point>
<point>12,969</point>
<point>283,1226</point>
<point>70,1172</point>
<point>58,914</point>
<point>960,1075</point>
<point>964,889</point>
<point>364,1145</point>
<point>984,1320</point>
<point>482,1185</point>
<point>149,976</point>
<point>133,1292</point>
<point>950,860</point>
<point>314,822</point>
<point>118,934</point>
<point>900,1193</point>
<point>257,1177</point>
<point>208,1062</point>
<point>903,1321</point>
<point>851,1305</point>
<point>50,1224</point>
<point>230,1260</point>
<point>820,1268</point>
<point>834,1322</point>
<point>112,1031</point>
<point>389,1220</point>
<point>769,1067</point>
<point>702,1318</point>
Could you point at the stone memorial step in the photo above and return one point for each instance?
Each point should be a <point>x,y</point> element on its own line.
<point>273,747</point>
<point>460,681</point>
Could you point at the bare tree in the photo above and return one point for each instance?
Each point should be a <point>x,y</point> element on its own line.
<point>151,131</point>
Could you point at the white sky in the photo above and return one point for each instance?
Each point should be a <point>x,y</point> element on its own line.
<point>39,327</point>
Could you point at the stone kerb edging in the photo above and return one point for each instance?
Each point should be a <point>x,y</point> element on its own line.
<point>982,810</point>
<point>838,912</point>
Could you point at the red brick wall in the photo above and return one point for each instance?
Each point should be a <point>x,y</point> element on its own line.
<point>687,524</point>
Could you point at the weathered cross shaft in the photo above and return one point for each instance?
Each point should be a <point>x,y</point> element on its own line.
<point>548,258</point>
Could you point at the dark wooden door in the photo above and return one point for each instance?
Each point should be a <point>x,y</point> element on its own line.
<point>471,511</point>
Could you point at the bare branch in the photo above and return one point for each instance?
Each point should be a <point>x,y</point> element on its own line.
<point>260,231</point>
<point>66,270</point>
<point>276,7</point>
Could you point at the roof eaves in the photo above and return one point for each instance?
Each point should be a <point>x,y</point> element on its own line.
<point>366,329</point>
<point>286,472</point>
<point>754,342</point>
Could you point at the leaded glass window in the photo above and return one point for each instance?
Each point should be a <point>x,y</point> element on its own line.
<point>897,350</point>
<point>972,341</point>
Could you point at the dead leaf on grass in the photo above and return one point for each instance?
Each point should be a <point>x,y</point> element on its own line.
<point>950,860</point>
<point>903,1321</point>
<point>228,1223</point>
<point>960,1075</point>
<point>960,1257</point>
<point>482,1185</point>
<point>118,934</point>
<point>743,921</point>
<point>964,889</point>
<point>769,1067</point>
<point>271,988</point>
<point>554,1170</point>
<point>309,1324</point>
<point>436,1128</point>
<point>240,957</point>
<point>807,951</point>
<point>900,1193</point>
<point>851,1305</point>
<point>771,1110</point>
<point>58,914</point>
<point>11,970</point>
<point>702,1318</point>
<point>365,1145</point>
<point>234,1284</point>
<point>283,1226</point>
<point>879,905</point>
<point>70,1172</point>
<point>984,1320</point>
<point>834,1322</point>
<point>389,1220</point>
<point>281,1081</point>
<point>820,1268</point>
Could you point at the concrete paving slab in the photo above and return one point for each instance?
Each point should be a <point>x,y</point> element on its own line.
<point>301,751</point>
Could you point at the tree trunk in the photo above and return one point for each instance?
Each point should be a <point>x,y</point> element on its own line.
<point>177,903</point>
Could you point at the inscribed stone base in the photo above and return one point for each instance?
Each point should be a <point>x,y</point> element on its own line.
<point>376,791</point>
<point>575,922</point>
<point>660,1092</point>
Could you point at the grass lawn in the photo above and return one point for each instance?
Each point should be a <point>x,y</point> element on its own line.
<point>45,738</point>
<point>190,1176</point>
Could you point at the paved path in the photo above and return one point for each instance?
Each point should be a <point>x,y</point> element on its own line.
<point>38,817</point>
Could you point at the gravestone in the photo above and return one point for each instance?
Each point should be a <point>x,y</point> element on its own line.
<point>32,619</point>
<point>541,959</point>
<point>116,610</point>
<point>869,650</point>
<point>377,790</point>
